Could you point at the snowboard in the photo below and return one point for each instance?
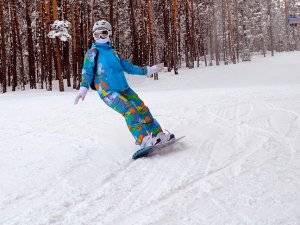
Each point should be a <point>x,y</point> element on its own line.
<point>150,149</point>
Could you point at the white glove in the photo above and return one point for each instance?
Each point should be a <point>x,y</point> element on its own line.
<point>154,69</point>
<point>81,94</point>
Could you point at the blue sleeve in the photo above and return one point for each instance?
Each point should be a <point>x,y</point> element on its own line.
<point>130,68</point>
<point>88,68</point>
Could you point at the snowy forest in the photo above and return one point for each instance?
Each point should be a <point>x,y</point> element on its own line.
<point>45,41</point>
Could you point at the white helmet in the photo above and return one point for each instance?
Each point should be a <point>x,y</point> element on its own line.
<point>102,24</point>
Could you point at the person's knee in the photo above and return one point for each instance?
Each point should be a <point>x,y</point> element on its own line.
<point>131,115</point>
<point>143,109</point>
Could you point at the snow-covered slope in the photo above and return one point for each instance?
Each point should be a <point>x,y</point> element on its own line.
<point>239,163</point>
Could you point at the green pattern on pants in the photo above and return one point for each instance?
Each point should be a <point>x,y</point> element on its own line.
<point>137,115</point>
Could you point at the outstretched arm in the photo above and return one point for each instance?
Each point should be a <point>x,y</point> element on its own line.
<point>130,68</point>
<point>145,70</point>
<point>88,68</point>
<point>87,74</point>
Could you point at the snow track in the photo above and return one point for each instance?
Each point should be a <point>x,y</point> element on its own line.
<point>71,165</point>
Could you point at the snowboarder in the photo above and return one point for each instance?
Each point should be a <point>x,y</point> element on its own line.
<point>103,69</point>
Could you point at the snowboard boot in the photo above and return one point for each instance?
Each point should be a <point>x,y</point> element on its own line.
<point>165,137</point>
<point>149,140</point>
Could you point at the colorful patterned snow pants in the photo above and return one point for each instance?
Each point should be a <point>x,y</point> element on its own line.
<point>138,117</point>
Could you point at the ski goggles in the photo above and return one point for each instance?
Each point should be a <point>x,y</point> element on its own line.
<point>100,34</point>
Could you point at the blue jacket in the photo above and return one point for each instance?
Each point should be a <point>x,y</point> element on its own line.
<point>110,69</point>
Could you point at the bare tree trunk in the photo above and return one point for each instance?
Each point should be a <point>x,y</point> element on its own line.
<point>178,47</point>
<point>211,54</point>
<point>31,59</point>
<point>18,47</point>
<point>142,34</point>
<point>201,47</point>
<point>225,53</point>
<point>133,32</point>
<point>3,51</point>
<point>174,36</point>
<point>210,28</point>
<point>76,78</point>
<point>151,35</point>
<point>271,26</point>
<point>84,24</point>
<point>111,15</point>
<point>237,32</point>
<point>117,29</point>
<point>263,47</point>
<point>49,47</point>
<point>198,36</point>
<point>246,56</point>
<point>188,55</point>
<point>42,43</point>
<point>14,49</point>
<point>287,27</point>
<point>66,46</point>
<point>1,73</point>
<point>214,27</point>
<point>80,42</point>
<point>193,35</point>
<point>92,12</point>
<point>167,49</point>
<point>57,51</point>
<point>230,34</point>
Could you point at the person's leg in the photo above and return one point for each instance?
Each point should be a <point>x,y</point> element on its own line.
<point>120,104</point>
<point>145,116</point>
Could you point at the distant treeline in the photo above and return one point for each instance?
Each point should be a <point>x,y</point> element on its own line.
<point>175,32</point>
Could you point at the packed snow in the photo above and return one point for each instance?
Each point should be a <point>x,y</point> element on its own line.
<point>239,163</point>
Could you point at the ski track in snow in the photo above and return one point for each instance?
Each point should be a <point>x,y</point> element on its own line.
<point>239,162</point>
